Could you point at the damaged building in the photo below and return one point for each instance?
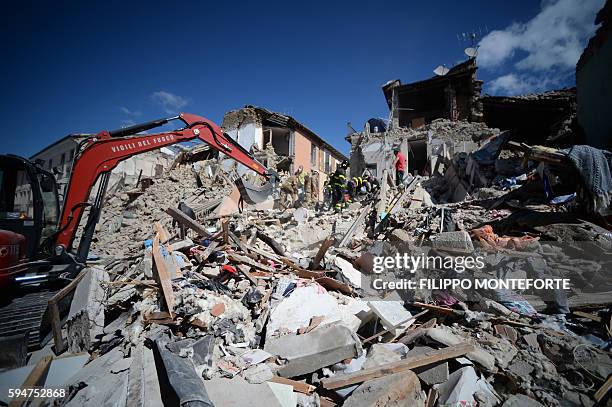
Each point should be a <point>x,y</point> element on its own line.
<point>594,83</point>
<point>453,96</point>
<point>539,118</point>
<point>281,142</point>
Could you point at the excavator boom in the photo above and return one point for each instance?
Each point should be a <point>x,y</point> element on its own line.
<point>102,152</point>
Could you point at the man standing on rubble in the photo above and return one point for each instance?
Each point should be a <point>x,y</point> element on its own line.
<point>314,181</point>
<point>289,189</point>
<point>400,166</point>
<point>300,175</point>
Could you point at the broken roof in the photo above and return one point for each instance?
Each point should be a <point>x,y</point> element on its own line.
<point>273,118</point>
<point>459,71</point>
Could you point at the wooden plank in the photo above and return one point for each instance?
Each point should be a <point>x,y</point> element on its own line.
<point>436,308</point>
<point>425,359</point>
<point>334,284</point>
<point>241,270</point>
<point>186,221</point>
<point>249,262</point>
<point>36,378</point>
<point>603,390</point>
<point>238,242</point>
<point>300,387</point>
<point>349,233</point>
<point>385,330</point>
<point>414,334</point>
<point>225,230</point>
<point>587,316</point>
<point>327,243</point>
<point>162,275</point>
<point>164,237</point>
<point>432,397</point>
<point>382,196</point>
<point>56,325</point>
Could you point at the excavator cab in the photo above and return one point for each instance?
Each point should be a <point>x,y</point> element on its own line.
<point>29,210</point>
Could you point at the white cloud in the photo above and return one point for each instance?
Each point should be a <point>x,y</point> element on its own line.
<point>543,49</point>
<point>130,112</point>
<point>127,123</point>
<point>170,102</point>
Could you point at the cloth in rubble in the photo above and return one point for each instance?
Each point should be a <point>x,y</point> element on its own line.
<point>486,235</point>
<point>594,166</point>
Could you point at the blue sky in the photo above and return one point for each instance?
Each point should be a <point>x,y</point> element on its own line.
<point>71,67</point>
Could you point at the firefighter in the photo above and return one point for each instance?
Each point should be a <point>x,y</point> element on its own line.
<point>338,184</point>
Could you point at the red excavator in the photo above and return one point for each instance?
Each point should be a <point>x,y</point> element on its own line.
<point>36,238</point>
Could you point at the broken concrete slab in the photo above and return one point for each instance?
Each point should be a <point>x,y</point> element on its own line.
<point>317,349</point>
<point>459,241</point>
<point>399,389</point>
<point>445,336</point>
<point>433,374</point>
<point>237,392</point>
<point>392,314</point>
<point>86,317</point>
<point>102,387</point>
<point>348,271</point>
<point>143,383</point>
<point>284,394</point>
<point>297,310</point>
<point>379,354</point>
<point>521,400</point>
<point>259,373</point>
<point>462,386</point>
<point>63,368</point>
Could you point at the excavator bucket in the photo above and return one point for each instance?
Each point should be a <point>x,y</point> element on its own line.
<point>253,194</point>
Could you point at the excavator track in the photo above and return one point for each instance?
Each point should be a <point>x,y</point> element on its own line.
<point>25,313</point>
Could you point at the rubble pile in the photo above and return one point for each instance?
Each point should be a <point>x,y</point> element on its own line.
<point>284,307</point>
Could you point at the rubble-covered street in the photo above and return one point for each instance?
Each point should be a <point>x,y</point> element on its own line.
<point>276,306</point>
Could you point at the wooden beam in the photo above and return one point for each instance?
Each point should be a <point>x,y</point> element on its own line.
<point>186,221</point>
<point>603,390</point>
<point>249,262</point>
<point>36,378</point>
<point>241,270</point>
<point>300,387</point>
<point>587,316</point>
<point>382,196</point>
<point>425,359</point>
<point>56,324</point>
<point>385,330</point>
<point>349,233</point>
<point>327,243</point>
<point>162,275</point>
<point>413,334</point>
<point>164,238</point>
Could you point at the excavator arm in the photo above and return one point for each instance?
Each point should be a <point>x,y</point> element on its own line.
<point>102,152</point>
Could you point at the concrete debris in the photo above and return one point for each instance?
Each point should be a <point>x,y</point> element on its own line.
<point>194,301</point>
<point>312,351</point>
<point>399,389</point>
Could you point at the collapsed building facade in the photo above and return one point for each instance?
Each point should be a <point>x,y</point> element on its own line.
<point>282,143</point>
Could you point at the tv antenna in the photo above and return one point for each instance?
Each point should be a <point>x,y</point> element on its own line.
<point>471,38</point>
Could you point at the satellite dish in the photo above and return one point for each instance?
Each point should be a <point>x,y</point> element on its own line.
<point>441,70</point>
<point>471,52</point>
